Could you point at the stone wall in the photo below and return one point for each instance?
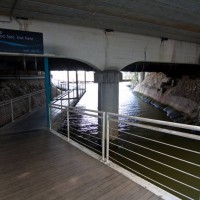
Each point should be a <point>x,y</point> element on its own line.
<point>10,89</point>
<point>181,94</point>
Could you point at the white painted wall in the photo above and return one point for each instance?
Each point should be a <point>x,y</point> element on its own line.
<point>113,50</point>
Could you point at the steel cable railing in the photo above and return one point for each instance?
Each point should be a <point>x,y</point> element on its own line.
<point>163,153</point>
<point>17,107</point>
<point>76,125</point>
<point>70,96</point>
<point>171,166</point>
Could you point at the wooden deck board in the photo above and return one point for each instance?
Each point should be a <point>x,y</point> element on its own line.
<point>38,166</point>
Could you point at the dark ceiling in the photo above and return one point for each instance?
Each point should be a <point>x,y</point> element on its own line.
<point>175,19</point>
<point>21,63</point>
<point>171,69</point>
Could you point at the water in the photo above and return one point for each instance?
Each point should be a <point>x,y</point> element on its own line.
<point>130,104</point>
<point>90,98</point>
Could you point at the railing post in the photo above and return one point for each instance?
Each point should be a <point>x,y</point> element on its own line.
<point>85,80</point>
<point>77,94</point>
<point>11,106</point>
<point>68,133</point>
<point>107,137</point>
<point>68,88</point>
<point>61,97</point>
<point>103,135</point>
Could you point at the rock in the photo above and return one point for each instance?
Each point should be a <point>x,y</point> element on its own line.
<point>179,98</point>
<point>13,88</point>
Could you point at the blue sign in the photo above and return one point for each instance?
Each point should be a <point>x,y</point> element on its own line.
<point>14,41</point>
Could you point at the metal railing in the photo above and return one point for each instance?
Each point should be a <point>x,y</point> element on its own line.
<point>70,97</point>
<point>163,153</point>
<point>166,154</point>
<point>14,108</point>
<point>86,127</point>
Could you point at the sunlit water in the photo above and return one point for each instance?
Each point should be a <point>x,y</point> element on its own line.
<point>130,104</point>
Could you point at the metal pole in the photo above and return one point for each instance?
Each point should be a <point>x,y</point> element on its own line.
<point>61,97</point>
<point>103,135</point>
<point>47,86</point>
<point>68,79</point>
<point>85,79</point>
<point>11,106</point>
<point>68,135</point>
<point>77,84</point>
<point>68,88</point>
<point>107,138</point>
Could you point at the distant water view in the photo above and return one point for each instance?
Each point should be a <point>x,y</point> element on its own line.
<point>129,103</point>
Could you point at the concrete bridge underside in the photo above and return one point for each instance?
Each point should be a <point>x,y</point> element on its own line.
<point>27,63</point>
<point>110,34</point>
<point>104,50</point>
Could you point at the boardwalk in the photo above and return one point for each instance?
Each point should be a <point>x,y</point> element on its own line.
<point>39,165</point>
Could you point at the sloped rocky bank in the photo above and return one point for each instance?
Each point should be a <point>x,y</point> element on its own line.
<point>10,89</point>
<point>179,98</point>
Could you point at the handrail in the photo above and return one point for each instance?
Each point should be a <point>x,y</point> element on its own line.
<point>159,122</point>
<point>16,107</point>
<point>23,96</point>
<point>74,133</point>
<point>147,157</point>
<point>72,95</point>
<point>115,148</point>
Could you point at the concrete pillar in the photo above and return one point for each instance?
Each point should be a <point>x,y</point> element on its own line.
<point>108,90</point>
<point>141,76</point>
<point>108,94</point>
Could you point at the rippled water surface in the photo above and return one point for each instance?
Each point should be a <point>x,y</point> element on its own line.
<point>129,103</point>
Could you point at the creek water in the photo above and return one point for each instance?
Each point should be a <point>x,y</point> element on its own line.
<point>143,158</point>
<point>129,103</point>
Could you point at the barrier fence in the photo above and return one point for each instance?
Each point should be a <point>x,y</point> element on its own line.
<point>70,97</point>
<point>88,131</point>
<point>165,154</point>
<point>14,108</point>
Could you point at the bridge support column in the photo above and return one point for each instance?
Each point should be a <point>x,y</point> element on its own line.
<point>141,76</point>
<point>108,93</point>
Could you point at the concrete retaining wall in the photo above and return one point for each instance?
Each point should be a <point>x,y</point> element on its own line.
<point>181,100</point>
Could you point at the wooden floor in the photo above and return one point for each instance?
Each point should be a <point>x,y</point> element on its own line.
<point>39,165</point>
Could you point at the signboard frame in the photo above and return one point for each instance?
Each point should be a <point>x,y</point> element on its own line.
<point>26,42</point>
